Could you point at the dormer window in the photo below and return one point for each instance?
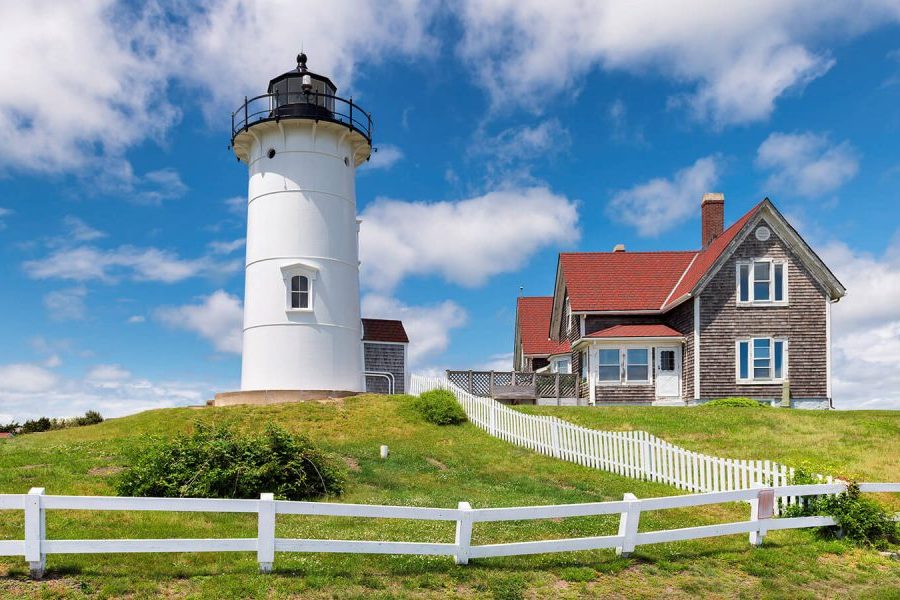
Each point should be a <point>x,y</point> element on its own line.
<point>299,286</point>
<point>762,282</point>
<point>299,291</point>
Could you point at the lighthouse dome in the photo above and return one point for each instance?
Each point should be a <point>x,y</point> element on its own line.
<point>302,93</point>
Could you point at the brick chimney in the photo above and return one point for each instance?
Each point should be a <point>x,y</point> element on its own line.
<point>712,211</point>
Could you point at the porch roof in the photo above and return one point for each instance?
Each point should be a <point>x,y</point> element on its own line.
<point>635,331</point>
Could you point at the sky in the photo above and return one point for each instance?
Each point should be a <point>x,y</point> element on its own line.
<point>506,131</point>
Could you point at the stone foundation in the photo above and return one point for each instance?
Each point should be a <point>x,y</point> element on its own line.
<point>262,397</point>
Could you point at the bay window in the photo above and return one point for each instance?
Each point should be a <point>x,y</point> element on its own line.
<point>761,282</point>
<point>761,359</point>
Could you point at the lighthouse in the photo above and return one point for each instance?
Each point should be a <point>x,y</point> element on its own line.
<point>302,330</point>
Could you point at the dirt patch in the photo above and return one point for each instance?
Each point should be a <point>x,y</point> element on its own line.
<point>352,464</point>
<point>105,471</point>
<point>436,463</point>
<point>41,466</point>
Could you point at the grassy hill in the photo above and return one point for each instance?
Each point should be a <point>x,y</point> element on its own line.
<point>439,466</point>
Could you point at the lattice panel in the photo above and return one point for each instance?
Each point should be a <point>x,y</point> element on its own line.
<point>568,385</point>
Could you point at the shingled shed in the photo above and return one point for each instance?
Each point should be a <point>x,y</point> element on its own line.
<point>384,352</point>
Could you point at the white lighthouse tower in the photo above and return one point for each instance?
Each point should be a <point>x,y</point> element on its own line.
<point>302,144</point>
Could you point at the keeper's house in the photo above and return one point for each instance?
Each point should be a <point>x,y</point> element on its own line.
<point>749,314</point>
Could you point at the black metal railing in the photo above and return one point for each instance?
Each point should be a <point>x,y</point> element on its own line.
<point>301,105</point>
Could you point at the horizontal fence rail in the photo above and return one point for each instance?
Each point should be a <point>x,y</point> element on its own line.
<point>36,546</point>
<point>635,454</point>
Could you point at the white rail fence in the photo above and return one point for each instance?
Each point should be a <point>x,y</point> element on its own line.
<point>635,454</point>
<point>36,546</point>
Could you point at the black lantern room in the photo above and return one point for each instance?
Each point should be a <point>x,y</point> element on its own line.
<point>302,93</point>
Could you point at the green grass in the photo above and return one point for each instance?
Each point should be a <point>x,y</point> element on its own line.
<point>440,466</point>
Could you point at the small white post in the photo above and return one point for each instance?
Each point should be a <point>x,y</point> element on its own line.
<point>463,534</point>
<point>761,509</point>
<point>628,525</point>
<point>384,452</point>
<point>35,532</point>
<point>554,438</point>
<point>265,529</point>
<point>493,417</point>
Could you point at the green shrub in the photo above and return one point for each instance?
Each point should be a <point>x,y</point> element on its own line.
<point>217,462</point>
<point>735,403</point>
<point>91,417</point>
<point>861,520</point>
<point>440,407</point>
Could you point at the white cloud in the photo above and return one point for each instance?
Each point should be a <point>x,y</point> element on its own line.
<point>806,164</point>
<point>466,242</point>
<point>67,304</point>
<point>386,157</point>
<point>497,362</point>
<point>107,374</point>
<point>154,187</point>
<point>84,263</point>
<point>136,319</point>
<point>736,59</point>
<point>661,204</point>
<point>237,205</point>
<point>227,247</point>
<point>428,327</point>
<point>90,80</point>
<point>236,46</point>
<point>121,395</point>
<point>866,327</point>
<point>78,230</point>
<point>4,212</point>
<point>511,154</point>
<point>217,318</point>
<point>25,378</point>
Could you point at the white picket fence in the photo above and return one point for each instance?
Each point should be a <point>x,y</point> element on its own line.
<point>36,546</point>
<point>636,454</point>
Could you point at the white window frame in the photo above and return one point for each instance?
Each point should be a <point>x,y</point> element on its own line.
<point>288,272</point>
<point>751,282</point>
<point>623,366</point>
<point>555,362</point>
<point>751,379</point>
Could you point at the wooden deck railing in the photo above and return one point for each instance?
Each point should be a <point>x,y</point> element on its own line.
<point>502,385</point>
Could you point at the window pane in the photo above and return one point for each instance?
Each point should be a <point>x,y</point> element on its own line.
<point>779,360</point>
<point>638,356</point>
<point>304,299</point>
<point>761,372</point>
<point>666,360</point>
<point>779,282</point>
<point>609,373</point>
<point>744,358</point>
<point>744,282</point>
<point>295,283</point>
<point>760,348</point>
<point>761,280</point>
<point>638,373</point>
<point>609,357</point>
<point>565,366</point>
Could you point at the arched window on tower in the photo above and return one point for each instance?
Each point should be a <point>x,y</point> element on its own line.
<point>299,291</point>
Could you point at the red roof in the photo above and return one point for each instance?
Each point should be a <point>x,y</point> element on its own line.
<point>384,330</point>
<point>533,317</point>
<point>620,331</point>
<point>640,281</point>
<point>626,281</point>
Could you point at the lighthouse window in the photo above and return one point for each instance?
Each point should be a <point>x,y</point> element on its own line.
<point>299,291</point>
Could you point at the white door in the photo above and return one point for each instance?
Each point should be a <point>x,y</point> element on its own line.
<point>668,372</point>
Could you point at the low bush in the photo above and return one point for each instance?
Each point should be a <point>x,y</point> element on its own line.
<point>440,407</point>
<point>217,462</point>
<point>735,403</point>
<point>91,417</point>
<point>861,520</point>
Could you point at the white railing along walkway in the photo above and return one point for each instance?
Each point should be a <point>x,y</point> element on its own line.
<point>636,454</point>
<point>36,546</point>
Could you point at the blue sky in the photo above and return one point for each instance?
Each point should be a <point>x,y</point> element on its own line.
<point>506,132</point>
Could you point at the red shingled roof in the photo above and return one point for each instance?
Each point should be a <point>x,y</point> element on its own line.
<point>384,330</point>
<point>640,281</point>
<point>620,331</point>
<point>533,317</point>
<point>624,281</point>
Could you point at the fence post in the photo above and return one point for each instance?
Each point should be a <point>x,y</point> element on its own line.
<point>493,419</point>
<point>628,525</point>
<point>463,534</point>
<point>554,437</point>
<point>35,532</point>
<point>265,529</point>
<point>761,509</point>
